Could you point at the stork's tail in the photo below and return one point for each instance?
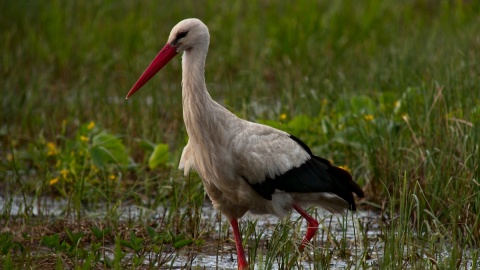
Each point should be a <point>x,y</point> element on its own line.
<point>345,186</point>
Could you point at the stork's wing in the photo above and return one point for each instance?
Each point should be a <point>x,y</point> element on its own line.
<point>270,159</point>
<point>262,152</point>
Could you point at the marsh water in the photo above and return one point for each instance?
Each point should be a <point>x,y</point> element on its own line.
<point>361,232</point>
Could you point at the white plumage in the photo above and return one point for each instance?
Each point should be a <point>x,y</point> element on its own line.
<point>245,166</point>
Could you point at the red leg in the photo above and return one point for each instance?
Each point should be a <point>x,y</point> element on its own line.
<point>242,261</point>
<point>312,225</point>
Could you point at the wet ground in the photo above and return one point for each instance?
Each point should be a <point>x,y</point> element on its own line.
<point>217,253</point>
<point>341,229</point>
<point>361,232</point>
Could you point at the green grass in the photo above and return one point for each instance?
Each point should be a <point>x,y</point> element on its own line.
<point>388,88</point>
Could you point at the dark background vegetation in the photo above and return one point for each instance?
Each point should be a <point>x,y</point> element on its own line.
<point>388,89</point>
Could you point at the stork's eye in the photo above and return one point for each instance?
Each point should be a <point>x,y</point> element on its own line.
<point>181,35</point>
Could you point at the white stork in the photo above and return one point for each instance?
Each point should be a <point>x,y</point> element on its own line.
<point>246,166</point>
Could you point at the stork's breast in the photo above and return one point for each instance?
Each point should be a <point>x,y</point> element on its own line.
<point>186,160</point>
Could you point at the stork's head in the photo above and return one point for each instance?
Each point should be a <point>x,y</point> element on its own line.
<point>188,34</point>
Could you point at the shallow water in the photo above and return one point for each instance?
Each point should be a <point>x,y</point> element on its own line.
<point>341,228</point>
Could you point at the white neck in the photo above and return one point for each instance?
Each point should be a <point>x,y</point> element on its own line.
<point>209,125</point>
<point>199,110</point>
<point>204,118</point>
<point>196,101</point>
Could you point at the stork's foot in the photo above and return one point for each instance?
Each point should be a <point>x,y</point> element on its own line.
<point>242,260</point>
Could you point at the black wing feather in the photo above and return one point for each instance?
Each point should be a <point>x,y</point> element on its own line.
<point>315,175</point>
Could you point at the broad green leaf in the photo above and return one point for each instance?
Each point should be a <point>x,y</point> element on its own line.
<point>300,123</point>
<point>98,157</point>
<point>160,156</point>
<point>135,240</point>
<point>356,105</point>
<point>179,237</point>
<point>125,243</point>
<point>74,237</point>
<point>99,233</point>
<point>52,241</point>
<point>182,243</point>
<point>362,105</point>
<point>146,145</point>
<point>151,232</point>
<point>7,244</point>
<point>107,149</point>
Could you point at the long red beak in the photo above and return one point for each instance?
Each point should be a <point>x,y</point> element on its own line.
<point>162,58</point>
